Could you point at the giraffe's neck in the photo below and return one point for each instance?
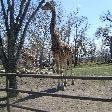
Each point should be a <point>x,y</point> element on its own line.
<point>53,22</point>
<point>54,38</point>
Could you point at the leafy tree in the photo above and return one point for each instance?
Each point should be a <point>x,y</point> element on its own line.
<point>73,30</point>
<point>107,17</point>
<point>79,28</point>
<point>105,34</point>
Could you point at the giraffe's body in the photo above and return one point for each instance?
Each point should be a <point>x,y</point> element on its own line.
<point>61,51</point>
<point>62,55</point>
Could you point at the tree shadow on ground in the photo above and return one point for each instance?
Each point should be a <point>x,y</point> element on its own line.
<point>54,90</point>
<point>33,96</point>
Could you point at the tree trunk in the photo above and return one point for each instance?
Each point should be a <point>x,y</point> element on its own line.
<point>75,60</point>
<point>11,68</point>
<point>41,60</point>
<point>111,49</point>
<point>12,78</point>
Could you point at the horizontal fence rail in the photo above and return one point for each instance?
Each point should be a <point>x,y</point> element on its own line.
<point>4,98</point>
<point>60,77</point>
<point>3,105</point>
<point>2,89</point>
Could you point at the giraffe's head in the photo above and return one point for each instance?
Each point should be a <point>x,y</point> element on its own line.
<point>48,6</point>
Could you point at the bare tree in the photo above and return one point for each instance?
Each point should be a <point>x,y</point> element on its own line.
<point>73,30</point>
<point>79,28</point>
<point>16,21</point>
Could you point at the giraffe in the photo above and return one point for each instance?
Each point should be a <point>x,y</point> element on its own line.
<point>61,51</point>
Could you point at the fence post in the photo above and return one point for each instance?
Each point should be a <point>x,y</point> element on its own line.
<point>7,91</point>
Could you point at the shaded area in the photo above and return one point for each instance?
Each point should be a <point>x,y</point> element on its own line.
<point>50,92</point>
<point>3,105</point>
<point>3,99</point>
<point>3,102</point>
<point>27,108</point>
<point>35,95</point>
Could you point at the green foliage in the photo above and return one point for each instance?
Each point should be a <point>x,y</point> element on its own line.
<point>103,70</point>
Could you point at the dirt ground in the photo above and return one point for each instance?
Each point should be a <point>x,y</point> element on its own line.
<point>96,89</point>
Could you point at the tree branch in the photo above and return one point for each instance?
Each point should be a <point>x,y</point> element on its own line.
<point>21,18</point>
<point>10,34</point>
<point>12,17</point>
<point>5,16</point>
<point>3,56</point>
<point>20,11</point>
<point>1,44</point>
<point>25,29</point>
<point>108,19</point>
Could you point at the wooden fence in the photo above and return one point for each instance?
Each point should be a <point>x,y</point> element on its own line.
<point>7,89</point>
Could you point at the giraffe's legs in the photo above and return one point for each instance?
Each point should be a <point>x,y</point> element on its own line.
<point>70,67</point>
<point>65,68</point>
<point>25,67</point>
<point>59,71</point>
<point>35,67</point>
<point>52,66</point>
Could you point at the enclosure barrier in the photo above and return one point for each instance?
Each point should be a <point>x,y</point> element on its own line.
<point>7,89</point>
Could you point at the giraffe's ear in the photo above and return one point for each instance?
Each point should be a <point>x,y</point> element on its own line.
<point>47,6</point>
<point>53,3</point>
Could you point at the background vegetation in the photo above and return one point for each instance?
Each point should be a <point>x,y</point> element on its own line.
<point>28,29</point>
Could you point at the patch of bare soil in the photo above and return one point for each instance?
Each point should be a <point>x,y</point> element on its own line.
<point>94,89</point>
